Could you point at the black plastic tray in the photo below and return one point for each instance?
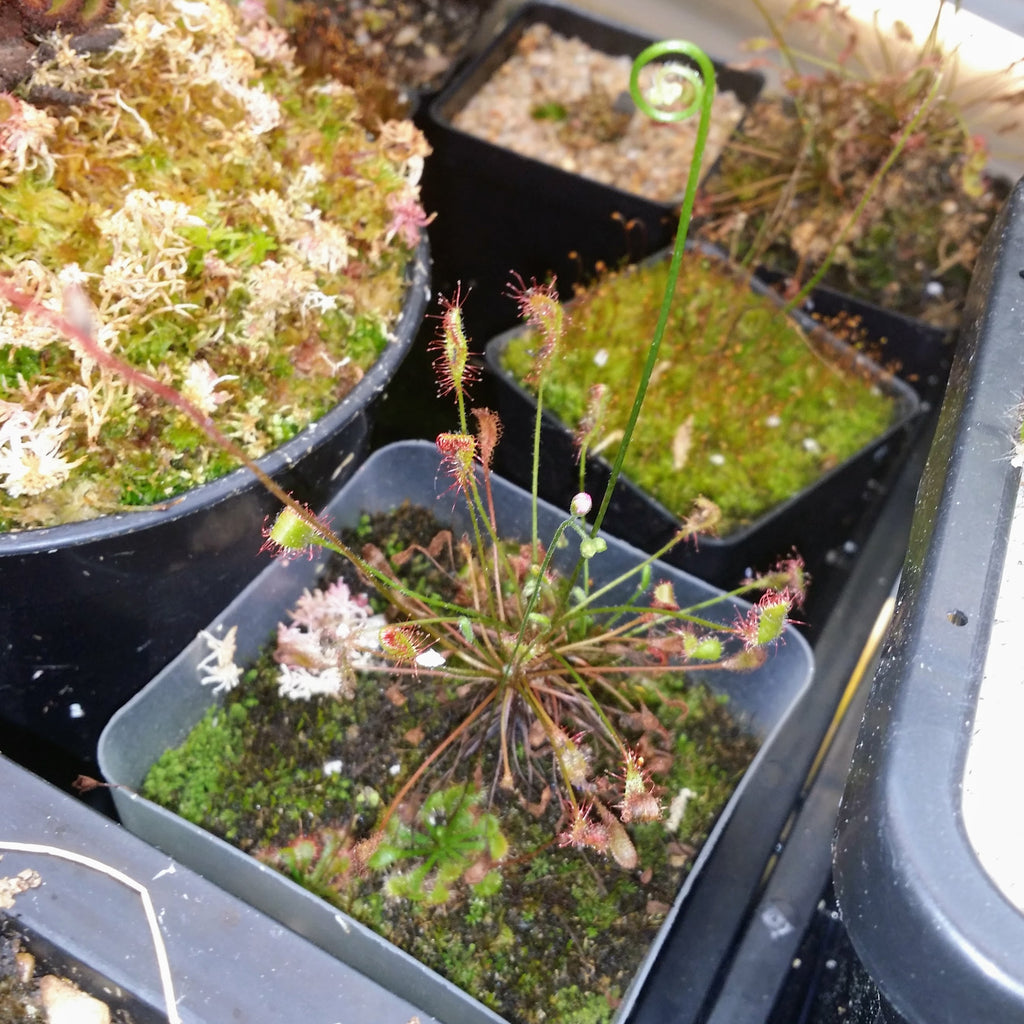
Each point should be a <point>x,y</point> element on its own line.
<point>938,936</point>
<point>499,212</point>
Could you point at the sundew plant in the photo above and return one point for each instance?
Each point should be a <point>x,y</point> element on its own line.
<point>210,216</point>
<point>541,665</point>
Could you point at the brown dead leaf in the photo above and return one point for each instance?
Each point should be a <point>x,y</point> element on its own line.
<point>541,805</point>
<point>682,441</point>
<point>395,695</point>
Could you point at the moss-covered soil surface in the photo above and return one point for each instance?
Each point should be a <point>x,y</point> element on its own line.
<point>227,227</point>
<point>744,408</point>
<point>469,877</point>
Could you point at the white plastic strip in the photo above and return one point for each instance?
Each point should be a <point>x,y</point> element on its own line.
<point>991,796</point>
<point>163,964</point>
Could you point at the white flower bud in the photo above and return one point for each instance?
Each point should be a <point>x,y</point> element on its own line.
<point>581,504</point>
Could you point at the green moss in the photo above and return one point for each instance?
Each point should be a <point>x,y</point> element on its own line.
<point>742,409</point>
<point>579,1006</point>
<point>19,363</point>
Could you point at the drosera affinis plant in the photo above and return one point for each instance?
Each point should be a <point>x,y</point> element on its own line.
<point>542,661</point>
<point>211,217</point>
<point>504,701</point>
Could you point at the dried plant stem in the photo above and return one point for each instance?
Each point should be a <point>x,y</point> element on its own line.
<point>163,964</point>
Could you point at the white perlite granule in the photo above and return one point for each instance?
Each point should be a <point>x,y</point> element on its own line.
<point>602,137</point>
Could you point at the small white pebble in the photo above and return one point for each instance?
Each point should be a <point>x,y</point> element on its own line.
<point>332,767</point>
<point>934,290</point>
<point>601,357</point>
<point>394,769</point>
<point>811,445</point>
<point>773,421</point>
<point>76,711</point>
<point>65,1003</point>
<point>717,459</point>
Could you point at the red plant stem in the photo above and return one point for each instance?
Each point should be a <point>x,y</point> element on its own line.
<point>28,305</point>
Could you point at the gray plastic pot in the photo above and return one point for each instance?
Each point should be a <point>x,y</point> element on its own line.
<point>162,714</point>
<point>93,609</point>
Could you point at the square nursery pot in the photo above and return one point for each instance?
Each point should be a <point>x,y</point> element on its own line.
<point>815,520</point>
<point>162,714</point>
<point>399,55</point>
<point>499,211</point>
<point>226,961</point>
<point>927,861</point>
<point>103,604</point>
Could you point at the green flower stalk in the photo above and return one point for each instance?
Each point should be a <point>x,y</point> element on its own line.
<point>700,81</point>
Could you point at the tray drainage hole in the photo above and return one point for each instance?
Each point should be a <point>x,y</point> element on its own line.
<point>957,617</point>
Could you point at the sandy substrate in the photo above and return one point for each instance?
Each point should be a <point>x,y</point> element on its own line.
<point>561,101</point>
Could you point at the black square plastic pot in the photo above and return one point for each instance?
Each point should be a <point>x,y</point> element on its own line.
<point>92,610</point>
<point>940,936</point>
<point>814,521</point>
<point>162,714</point>
<point>499,212</point>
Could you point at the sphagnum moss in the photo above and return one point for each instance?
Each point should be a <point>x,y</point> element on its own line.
<point>741,408</point>
<point>214,218</point>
